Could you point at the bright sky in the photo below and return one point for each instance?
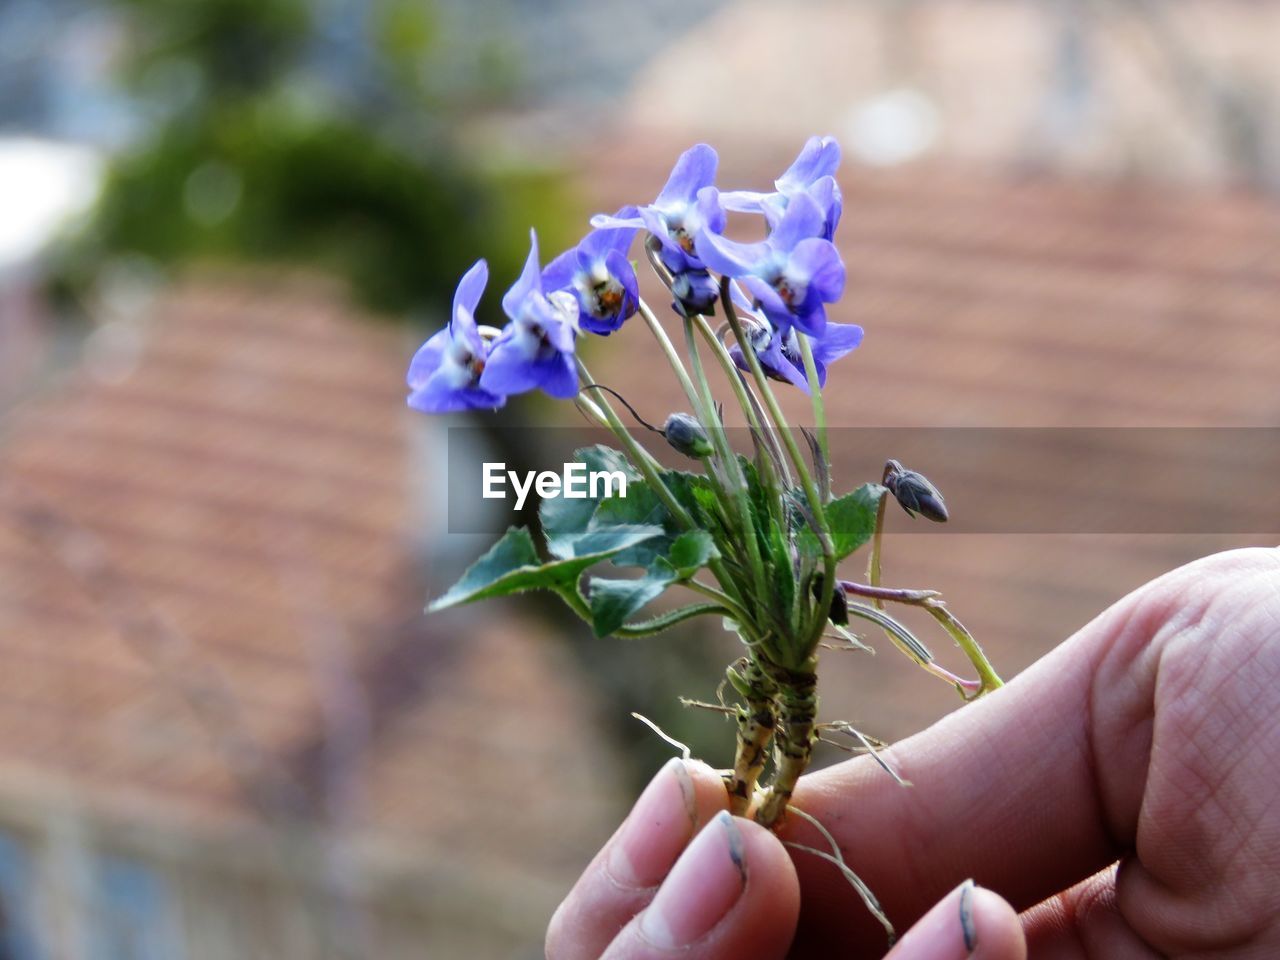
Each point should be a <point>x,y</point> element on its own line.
<point>42,184</point>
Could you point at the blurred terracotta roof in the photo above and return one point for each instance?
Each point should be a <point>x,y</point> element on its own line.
<point>210,605</point>
<point>996,299</point>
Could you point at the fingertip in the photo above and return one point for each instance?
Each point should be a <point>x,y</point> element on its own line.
<point>970,923</point>
<point>733,893</point>
<point>771,876</point>
<point>682,797</point>
<point>997,929</point>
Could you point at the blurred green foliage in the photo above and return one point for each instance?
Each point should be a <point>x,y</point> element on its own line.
<point>268,145</point>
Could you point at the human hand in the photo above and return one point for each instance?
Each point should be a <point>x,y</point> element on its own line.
<point>1150,739</point>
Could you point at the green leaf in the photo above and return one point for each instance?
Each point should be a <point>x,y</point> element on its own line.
<point>512,565</point>
<point>694,492</point>
<point>563,519</point>
<point>691,551</point>
<point>778,552</point>
<point>602,542</point>
<point>612,601</point>
<point>851,519</point>
<point>640,506</point>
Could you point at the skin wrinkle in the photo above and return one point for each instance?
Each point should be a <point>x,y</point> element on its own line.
<point>1105,799</point>
<point>1190,648</point>
<point>1207,772</point>
<point>1100,922</point>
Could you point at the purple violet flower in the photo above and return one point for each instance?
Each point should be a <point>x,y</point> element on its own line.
<point>779,354</point>
<point>686,207</point>
<point>534,350</point>
<point>790,274</point>
<point>444,375</point>
<point>599,274</point>
<point>812,172</point>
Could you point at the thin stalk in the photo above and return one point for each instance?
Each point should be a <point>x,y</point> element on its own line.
<point>775,412</point>
<point>965,641</point>
<point>673,358</point>
<point>594,411</point>
<point>737,481</point>
<point>802,470</point>
<point>931,601</point>
<point>643,460</point>
<point>742,391</point>
<point>732,607</point>
<point>643,628</point>
<point>705,408</point>
<point>914,597</point>
<point>877,542</point>
<point>706,399</point>
<point>663,621</point>
<point>649,468</point>
<point>815,392</point>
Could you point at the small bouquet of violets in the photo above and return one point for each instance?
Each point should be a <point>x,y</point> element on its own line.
<point>757,540</point>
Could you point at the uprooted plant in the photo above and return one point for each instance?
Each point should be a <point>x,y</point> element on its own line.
<point>758,538</point>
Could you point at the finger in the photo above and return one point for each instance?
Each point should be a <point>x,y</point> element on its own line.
<point>1028,790</point>
<point>732,894</point>
<point>625,874</point>
<point>1082,923</point>
<point>969,922</point>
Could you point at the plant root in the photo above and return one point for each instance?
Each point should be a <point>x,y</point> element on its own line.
<point>713,707</point>
<point>685,752</point>
<point>867,744</point>
<point>836,856</point>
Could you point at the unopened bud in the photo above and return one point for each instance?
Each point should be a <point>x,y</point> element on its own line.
<point>686,435</point>
<point>839,612</point>
<point>695,292</point>
<point>914,492</point>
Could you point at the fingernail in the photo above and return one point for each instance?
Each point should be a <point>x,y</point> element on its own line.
<point>966,916</point>
<point>656,830</point>
<point>706,882</point>
<point>947,932</point>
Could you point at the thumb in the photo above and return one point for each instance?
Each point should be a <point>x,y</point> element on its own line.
<point>969,922</point>
<point>733,893</point>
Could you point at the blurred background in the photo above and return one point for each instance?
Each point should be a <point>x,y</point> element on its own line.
<point>226,729</point>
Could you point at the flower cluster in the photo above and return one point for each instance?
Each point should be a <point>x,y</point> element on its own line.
<point>782,285</point>
<point>758,539</point>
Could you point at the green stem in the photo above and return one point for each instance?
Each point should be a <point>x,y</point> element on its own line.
<point>823,611</point>
<point>733,469</point>
<point>733,608</point>
<point>746,399</point>
<point>576,602</point>
<point>641,457</point>
<point>877,542</point>
<point>965,641</point>
<point>988,679</point>
<point>815,391</point>
<point>649,468</point>
<point>647,628</point>
<point>673,358</point>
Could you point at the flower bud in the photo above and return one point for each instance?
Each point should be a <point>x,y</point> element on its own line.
<point>914,492</point>
<point>686,435</point>
<point>696,291</point>
<point>839,612</point>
